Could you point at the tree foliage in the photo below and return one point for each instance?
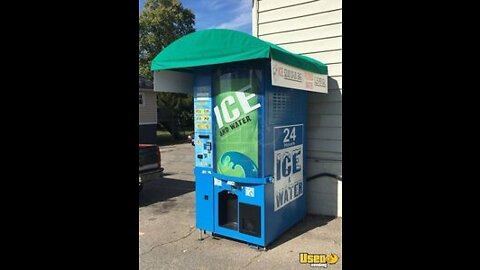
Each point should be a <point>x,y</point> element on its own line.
<point>176,112</point>
<point>161,23</point>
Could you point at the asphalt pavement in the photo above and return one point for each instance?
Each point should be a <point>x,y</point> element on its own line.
<point>168,238</point>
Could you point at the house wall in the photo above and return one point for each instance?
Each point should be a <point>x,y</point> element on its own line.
<point>313,29</point>
<point>147,114</point>
<point>147,117</point>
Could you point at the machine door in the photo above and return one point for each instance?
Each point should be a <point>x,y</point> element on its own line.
<point>238,210</point>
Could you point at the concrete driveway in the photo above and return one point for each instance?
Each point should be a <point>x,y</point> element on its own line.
<point>168,238</point>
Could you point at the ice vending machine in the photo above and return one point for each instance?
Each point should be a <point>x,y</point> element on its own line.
<point>250,109</point>
<point>249,152</point>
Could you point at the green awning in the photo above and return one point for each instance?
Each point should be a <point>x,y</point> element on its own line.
<point>218,46</point>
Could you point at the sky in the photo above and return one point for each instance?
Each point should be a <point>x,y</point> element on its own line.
<point>229,14</point>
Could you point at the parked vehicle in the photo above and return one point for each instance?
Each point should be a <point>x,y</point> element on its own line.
<point>149,164</point>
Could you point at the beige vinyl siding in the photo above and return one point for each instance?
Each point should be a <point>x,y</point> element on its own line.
<point>328,57</point>
<point>325,133</point>
<point>274,10</point>
<point>313,28</point>
<point>320,157</point>
<point>307,45</point>
<point>147,114</point>
<point>325,121</point>
<point>316,21</point>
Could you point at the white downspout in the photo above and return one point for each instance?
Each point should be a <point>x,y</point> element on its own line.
<point>255,18</point>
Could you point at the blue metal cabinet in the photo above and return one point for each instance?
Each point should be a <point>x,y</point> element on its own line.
<point>249,152</point>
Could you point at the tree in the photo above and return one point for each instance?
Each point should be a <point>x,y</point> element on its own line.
<point>176,112</point>
<point>161,23</point>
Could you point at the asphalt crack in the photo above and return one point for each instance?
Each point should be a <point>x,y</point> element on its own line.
<point>173,241</point>
<point>252,259</point>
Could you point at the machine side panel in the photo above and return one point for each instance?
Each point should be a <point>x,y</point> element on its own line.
<point>285,131</point>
